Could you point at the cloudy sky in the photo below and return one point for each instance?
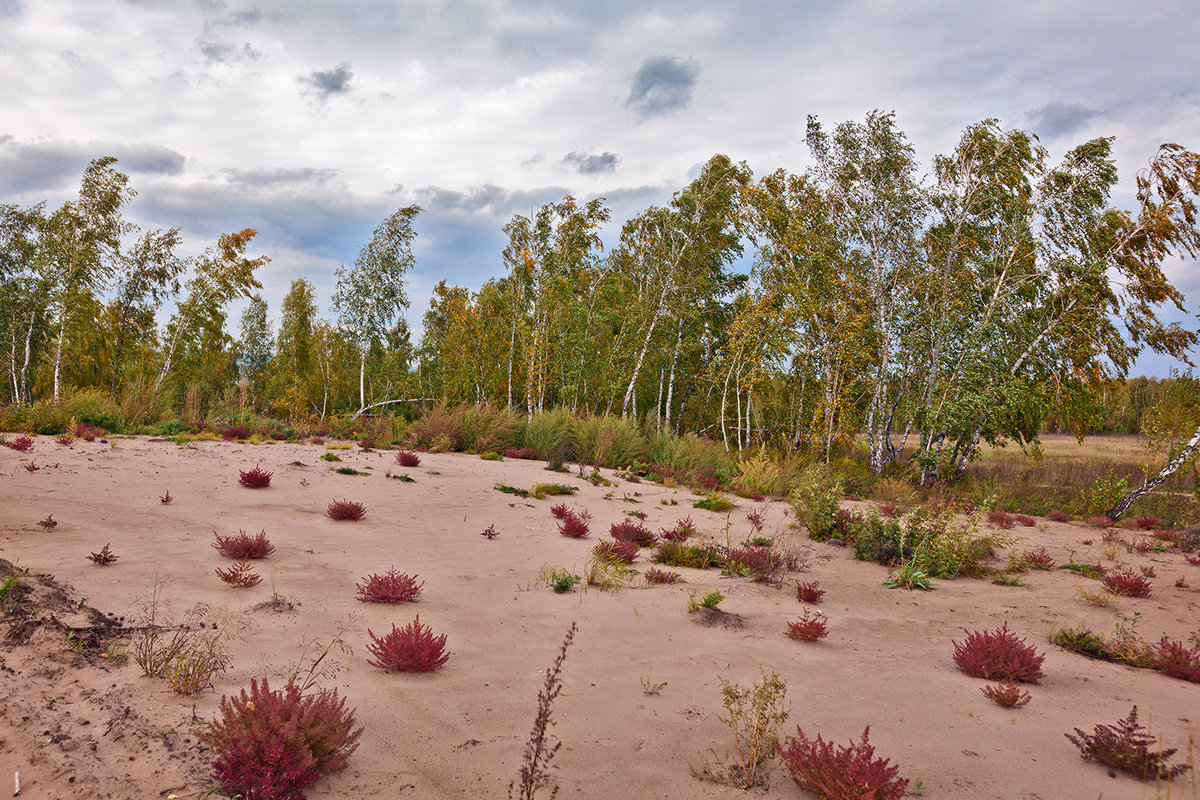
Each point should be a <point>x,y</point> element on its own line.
<point>311,121</point>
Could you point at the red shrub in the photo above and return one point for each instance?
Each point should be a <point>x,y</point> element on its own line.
<point>756,521</point>
<point>1128,747</point>
<point>1177,660</point>
<point>560,511</point>
<point>1167,535</point>
<point>367,444</point>
<point>317,440</point>
<point>656,576</point>
<point>1181,582</point>
<point>1110,535</point>
<point>1007,694</point>
<point>66,441</point>
<point>809,591</point>
<point>412,648</point>
<point>1085,541</point>
<point>844,773</point>
<point>240,575</point>
<point>616,552</point>
<point>31,467</point>
<point>808,629</point>
<point>686,527</point>
<point>235,432</point>
<point>673,535</point>
<point>243,546</point>
<point>1147,523</point>
<point>1148,572</point>
<point>637,514</point>
<point>758,498</point>
<point>490,532</point>
<point>1039,559</point>
<point>573,526</point>
<point>1127,584</point>
<point>759,562</point>
<point>1142,547</point>
<point>632,532</point>
<point>274,744</point>
<point>104,557</point>
<point>999,518</point>
<point>1193,560</point>
<point>1025,520</point>
<point>998,655</point>
<point>22,444</point>
<point>391,587</point>
<point>407,458</point>
<point>707,482</point>
<point>1058,516</point>
<point>527,453</point>
<point>49,523</point>
<point>889,510</point>
<point>346,509</point>
<point>1127,524</point>
<point>1098,522</point>
<point>256,478</point>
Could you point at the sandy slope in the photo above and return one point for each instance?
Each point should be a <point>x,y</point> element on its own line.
<point>80,727</point>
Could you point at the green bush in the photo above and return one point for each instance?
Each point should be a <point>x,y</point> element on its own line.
<point>553,435</point>
<point>49,418</point>
<point>814,498</point>
<point>608,441</point>
<point>761,475</point>
<point>1104,493</point>
<point>485,428</point>
<point>93,407</point>
<point>875,538</point>
<point>688,454</point>
<point>928,539</point>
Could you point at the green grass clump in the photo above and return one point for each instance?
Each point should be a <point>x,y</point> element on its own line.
<point>550,489</point>
<point>349,471</point>
<point>491,455</point>
<point>695,556</point>
<point>504,487</point>
<point>714,502</point>
<point>330,457</point>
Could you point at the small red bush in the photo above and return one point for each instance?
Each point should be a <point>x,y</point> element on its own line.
<point>1193,560</point>
<point>256,478</point>
<point>390,587</point>
<point>66,441</point>
<point>673,535</point>
<point>1058,516</point>
<point>1147,523</point>
<point>616,552</point>
<point>490,532</point>
<point>809,591</point>
<point>759,562</point>
<point>1167,535</point>
<point>1127,584</point>
<point>888,510</point>
<point>1025,520</point>
<point>1148,572</point>
<point>1098,522</point>
<point>243,546</point>
<point>346,509</point>
<point>560,511</point>
<point>235,432</point>
<point>656,576</point>
<point>756,521</point>
<point>22,444</point>
<point>998,655</point>
<point>31,467</point>
<point>407,458</point>
<point>1127,746</point>
<point>758,498</point>
<point>367,444</point>
<point>633,532</point>
<point>49,523</point>
<point>844,773</point>
<point>808,628</point>
<point>274,744</point>
<point>317,440</point>
<point>104,557</point>
<point>707,482</point>
<point>527,453</point>
<point>240,575</point>
<point>686,527</point>
<point>1177,660</point>
<point>1007,694</point>
<point>999,518</point>
<point>573,526</point>
<point>1142,547</point>
<point>412,648</point>
<point>1039,559</point>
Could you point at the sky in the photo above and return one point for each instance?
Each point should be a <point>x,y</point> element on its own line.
<point>312,121</point>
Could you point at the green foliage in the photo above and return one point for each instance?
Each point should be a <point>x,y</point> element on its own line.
<point>710,600</point>
<point>552,434</point>
<point>6,587</point>
<point>491,455</point>
<point>93,407</point>
<point>1102,495</point>
<point>349,471</point>
<point>504,487</point>
<point>565,583</point>
<point>816,493</point>
<point>330,456</point>
<point>761,475</point>
<point>608,441</point>
<point>543,490</point>
<point>714,502</point>
<point>753,714</point>
<point>696,556</point>
<point>910,577</point>
<point>651,688</point>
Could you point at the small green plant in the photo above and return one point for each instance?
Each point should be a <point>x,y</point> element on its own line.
<point>754,715</point>
<point>513,490</point>
<point>75,643</point>
<point>909,577</point>
<point>402,477</point>
<point>330,457</point>
<point>6,588</point>
<point>115,654</point>
<point>543,490</point>
<point>714,502</point>
<point>348,471</point>
<point>565,583</point>
<point>710,600</point>
<point>649,688</point>
<point>1097,599</point>
<point>491,455</point>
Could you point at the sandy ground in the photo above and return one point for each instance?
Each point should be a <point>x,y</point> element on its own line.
<point>77,725</point>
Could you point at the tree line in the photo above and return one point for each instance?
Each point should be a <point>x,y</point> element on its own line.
<point>996,294</point>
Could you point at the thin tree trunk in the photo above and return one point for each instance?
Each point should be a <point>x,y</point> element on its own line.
<point>1120,508</point>
<point>674,361</point>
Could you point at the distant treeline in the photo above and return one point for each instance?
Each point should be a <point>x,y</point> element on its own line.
<point>999,296</point>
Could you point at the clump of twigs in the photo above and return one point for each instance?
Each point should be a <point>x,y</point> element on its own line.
<point>1128,747</point>
<point>754,714</point>
<point>166,499</point>
<point>49,523</point>
<point>540,750</point>
<point>104,557</point>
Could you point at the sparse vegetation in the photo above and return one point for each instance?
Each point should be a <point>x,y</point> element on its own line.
<point>753,714</point>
